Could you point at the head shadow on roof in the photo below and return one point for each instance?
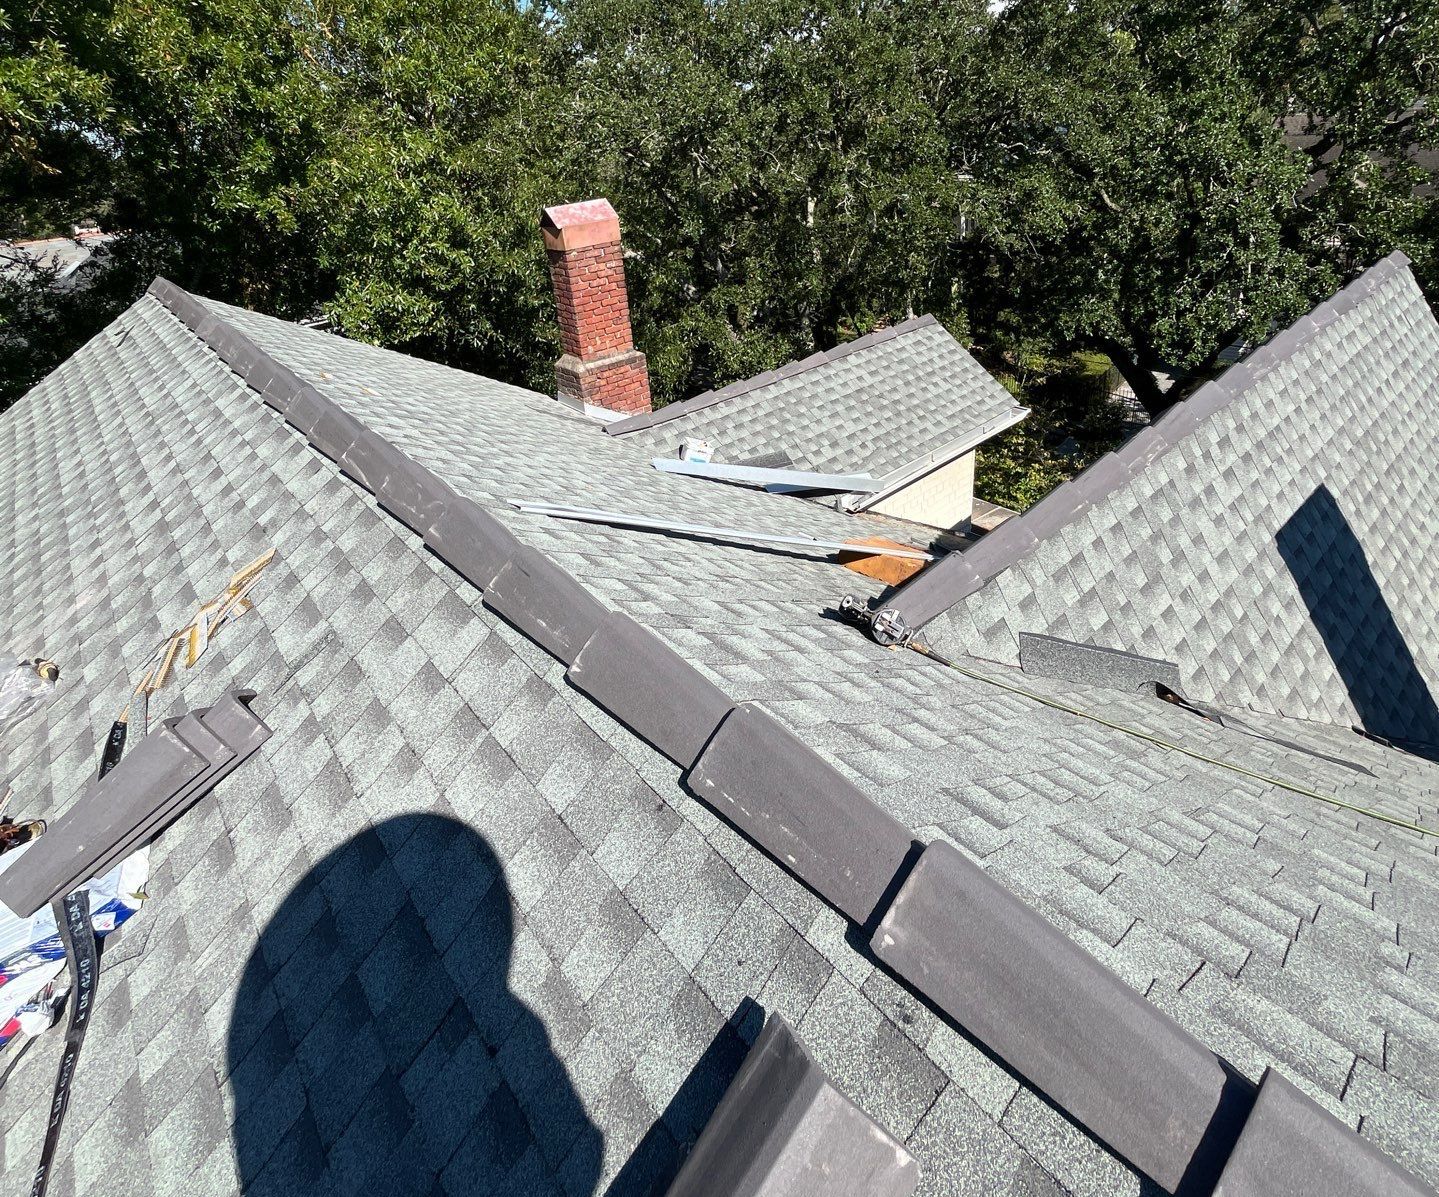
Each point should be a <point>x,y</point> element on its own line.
<point>402,1037</point>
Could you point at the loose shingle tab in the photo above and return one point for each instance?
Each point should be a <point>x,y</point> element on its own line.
<point>1049,656</point>
<point>650,688</point>
<point>802,811</point>
<point>782,1128</point>
<point>1111,1060</point>
<point>1292,1147</point>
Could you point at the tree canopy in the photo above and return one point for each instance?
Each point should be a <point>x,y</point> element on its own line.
<point>1148,178</point>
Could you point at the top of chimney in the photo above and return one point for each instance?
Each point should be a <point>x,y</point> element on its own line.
<point>576,226</point>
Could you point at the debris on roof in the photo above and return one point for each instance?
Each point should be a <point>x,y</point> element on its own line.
<point>774,480</point>
<point>748,536</point>
<point>170,770</point>
<point>868,556</point>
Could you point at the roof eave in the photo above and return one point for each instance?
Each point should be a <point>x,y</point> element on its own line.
<point>897,480</point>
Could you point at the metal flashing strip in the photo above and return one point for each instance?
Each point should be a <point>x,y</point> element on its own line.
<point>619,519</point>
<point>770,479</point>
<point>936,590</point>
<point>673,411</point>
<point>783,1127</point>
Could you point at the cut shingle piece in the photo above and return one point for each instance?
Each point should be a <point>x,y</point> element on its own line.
<point>782,1127</point>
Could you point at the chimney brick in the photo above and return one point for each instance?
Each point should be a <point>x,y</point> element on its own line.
<point>600,366</point>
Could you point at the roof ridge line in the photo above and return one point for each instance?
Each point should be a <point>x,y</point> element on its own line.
<point>797,808</point>
<point>734,390</point>
<point>936,589</point>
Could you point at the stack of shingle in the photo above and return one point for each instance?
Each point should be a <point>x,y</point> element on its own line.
<point>180,761</point>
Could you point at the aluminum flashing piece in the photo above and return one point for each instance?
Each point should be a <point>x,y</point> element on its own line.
<point>650,688</point>
<point>621,520</point>
<point>1110,1059</point>
<point>894,405</point>
<point>157,781</point>
<point>802,811</point>
<point>547,604</point>
<point>782,1129</point>
<point>770,479</point>
<point>1292,1147</point>
<point>1048,656</point>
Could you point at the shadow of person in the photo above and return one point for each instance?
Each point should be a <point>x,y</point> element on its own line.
<point>375,1045</point>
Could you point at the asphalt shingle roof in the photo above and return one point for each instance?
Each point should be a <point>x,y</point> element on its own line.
<point>875,405</point>
<point>454,929</point>
<point>1275,535</point>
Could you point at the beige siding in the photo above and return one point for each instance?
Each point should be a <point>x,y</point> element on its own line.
<point>943,498</point>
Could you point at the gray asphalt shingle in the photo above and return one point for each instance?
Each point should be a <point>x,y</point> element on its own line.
<point>874,405</point>
<point>1274,535</point>
<point>454,921</point>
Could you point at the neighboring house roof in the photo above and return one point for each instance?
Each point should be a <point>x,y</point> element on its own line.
<point>64,255</point>
<point>1303,132</point>
<point>456,929</point>
<point>878,405</point>
<point>1277,535</point>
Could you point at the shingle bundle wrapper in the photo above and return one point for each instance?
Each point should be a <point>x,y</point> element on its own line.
<point>156,782</point>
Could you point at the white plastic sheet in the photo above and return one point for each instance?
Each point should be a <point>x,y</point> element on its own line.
<point>30,951</point>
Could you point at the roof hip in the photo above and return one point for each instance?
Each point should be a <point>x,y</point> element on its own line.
<point>782,794</point>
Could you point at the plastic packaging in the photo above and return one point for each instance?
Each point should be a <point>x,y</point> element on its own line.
<point>31,954</point>
<point>26,687</point>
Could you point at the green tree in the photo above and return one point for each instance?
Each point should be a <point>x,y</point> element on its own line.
<point>1132,188</point>
<point>1353,80</point>
<point>781,168</point>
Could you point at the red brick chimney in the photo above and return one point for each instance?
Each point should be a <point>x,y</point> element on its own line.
<point>601,367</point>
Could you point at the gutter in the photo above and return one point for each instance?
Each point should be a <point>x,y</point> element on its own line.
<point>897,480</point>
